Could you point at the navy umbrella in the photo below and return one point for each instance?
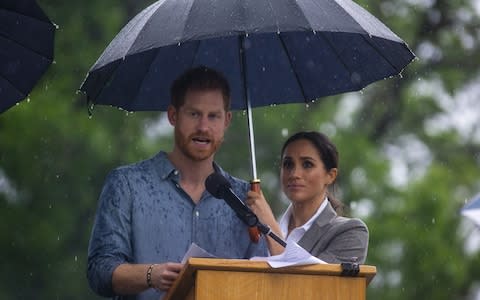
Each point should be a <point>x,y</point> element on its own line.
<point>272,52</point>
<point>26,49</point>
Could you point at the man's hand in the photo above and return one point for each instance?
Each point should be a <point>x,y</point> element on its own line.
<point>163,275</point>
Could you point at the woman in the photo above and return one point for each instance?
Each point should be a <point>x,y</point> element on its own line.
<point>309,166</point>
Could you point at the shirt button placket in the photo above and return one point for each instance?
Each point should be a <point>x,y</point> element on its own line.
<point>196,215</point>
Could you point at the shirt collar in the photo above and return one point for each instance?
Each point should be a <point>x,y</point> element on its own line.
<point>166,169</point>
<point>286,218</point>
<point>164,166</point>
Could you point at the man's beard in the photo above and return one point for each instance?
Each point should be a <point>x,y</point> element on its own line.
<point>184,144</point>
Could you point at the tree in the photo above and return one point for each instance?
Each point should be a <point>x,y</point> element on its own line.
<point>407,162</point>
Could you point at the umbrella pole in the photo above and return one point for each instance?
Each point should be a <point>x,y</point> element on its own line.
<point>253,231</point>
<point>251,139</point>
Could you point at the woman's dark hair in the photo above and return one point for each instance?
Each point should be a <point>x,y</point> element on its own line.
<point>328,154</point>
<point>198,79</point>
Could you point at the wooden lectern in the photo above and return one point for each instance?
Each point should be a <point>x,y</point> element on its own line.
<point>232,279</point>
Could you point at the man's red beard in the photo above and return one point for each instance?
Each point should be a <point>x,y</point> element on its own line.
<point>185,145</point>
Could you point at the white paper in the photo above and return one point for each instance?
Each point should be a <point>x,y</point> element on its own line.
<point>294,255</point>
<point>195,251</point>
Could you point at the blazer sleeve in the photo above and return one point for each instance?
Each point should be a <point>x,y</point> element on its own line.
<point>343,240</point>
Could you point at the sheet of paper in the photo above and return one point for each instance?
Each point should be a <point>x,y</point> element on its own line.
<point>195,251</point>
<point>294,255</point>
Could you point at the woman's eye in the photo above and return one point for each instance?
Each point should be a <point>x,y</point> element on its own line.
<point>307,164</point>
<point>287,165</point>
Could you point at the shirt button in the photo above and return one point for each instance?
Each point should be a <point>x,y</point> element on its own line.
<point>197,213</point>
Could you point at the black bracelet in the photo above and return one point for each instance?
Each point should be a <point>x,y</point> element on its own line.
<point>149,275</point>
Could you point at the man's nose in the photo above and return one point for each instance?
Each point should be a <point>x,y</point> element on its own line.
<point>203,123</point>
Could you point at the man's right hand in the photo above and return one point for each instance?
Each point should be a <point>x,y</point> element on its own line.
<point>131,279</point>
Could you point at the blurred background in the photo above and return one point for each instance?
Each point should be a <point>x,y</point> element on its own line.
<point>409,154</point>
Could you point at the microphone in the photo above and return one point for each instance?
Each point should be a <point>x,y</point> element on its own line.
<point>220,188</point>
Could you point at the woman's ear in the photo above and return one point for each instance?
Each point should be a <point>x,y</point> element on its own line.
<point>332,175</point>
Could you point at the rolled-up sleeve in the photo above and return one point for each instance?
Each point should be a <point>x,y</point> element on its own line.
<point>110,243</point>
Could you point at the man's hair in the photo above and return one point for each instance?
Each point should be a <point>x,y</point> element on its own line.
<point>199,78</point>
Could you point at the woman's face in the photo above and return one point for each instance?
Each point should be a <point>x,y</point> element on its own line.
<point>303,174</point>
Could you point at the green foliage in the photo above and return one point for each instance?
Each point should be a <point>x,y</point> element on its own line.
<point>54,156</point>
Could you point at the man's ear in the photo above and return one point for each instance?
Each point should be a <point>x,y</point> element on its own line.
<point>228,118</point>
<point>172,115</point>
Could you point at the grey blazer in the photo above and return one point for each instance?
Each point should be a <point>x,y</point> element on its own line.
<point>336,239</point>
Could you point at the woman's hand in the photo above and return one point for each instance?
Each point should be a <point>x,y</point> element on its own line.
<point>259,206</point>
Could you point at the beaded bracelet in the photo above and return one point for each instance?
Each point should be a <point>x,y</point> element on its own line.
<point>149,275</point>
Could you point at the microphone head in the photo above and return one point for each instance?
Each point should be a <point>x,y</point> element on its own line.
<point>216,184</point>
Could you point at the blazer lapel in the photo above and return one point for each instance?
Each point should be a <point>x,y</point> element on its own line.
<point>321,225</point>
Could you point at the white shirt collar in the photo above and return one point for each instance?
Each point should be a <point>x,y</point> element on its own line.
<point>297,233</point>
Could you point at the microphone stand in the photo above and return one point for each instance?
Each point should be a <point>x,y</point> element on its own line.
<point>251,220</point>
<point>267,231</point>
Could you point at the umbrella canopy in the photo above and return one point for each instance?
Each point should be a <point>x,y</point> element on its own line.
<point>272,52</point>
<point>472,209</point>
<point>26,49</point>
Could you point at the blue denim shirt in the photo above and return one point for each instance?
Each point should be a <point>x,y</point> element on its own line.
<point>144,216</point>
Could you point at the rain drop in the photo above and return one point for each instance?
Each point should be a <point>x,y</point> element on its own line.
<point>28,100</point>
<point>56,26</point>
<point>76,258</point>
<point>433,220</point>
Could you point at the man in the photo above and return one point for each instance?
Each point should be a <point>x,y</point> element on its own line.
<point>152,211</point>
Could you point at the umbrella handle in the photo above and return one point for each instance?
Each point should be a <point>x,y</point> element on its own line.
<point>253,231</point>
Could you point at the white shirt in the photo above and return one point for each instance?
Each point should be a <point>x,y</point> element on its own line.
<point>297,233</point>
